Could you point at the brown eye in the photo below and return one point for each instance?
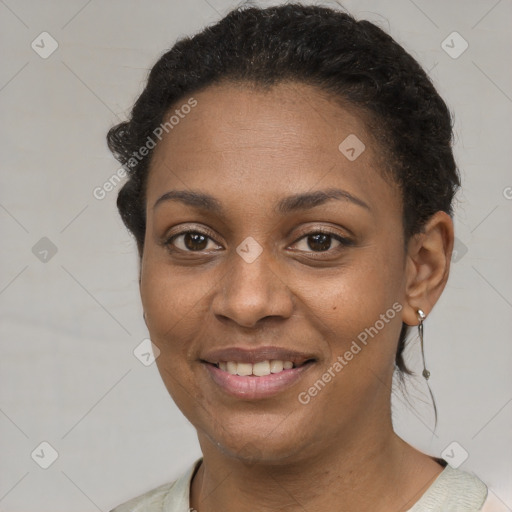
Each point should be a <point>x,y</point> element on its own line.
<point>190,241</point>
<point>319,242</point>
<point>322,241</point>
<point>195,241</point>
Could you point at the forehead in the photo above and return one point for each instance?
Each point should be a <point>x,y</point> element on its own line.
<point>249,116</point>
<point>287,138</point>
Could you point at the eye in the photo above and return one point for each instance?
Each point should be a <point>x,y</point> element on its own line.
<point>190,241</point>
<point>318,241</point>
<point>321,241</point>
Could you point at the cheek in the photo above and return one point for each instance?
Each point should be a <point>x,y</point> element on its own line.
<point>174,310</point>
<point>171,296</point>
<point>362,302</point>
<point>358,315</point>
<point>176,317</point>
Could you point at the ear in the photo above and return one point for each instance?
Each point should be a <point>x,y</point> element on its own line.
<point>427,266</point>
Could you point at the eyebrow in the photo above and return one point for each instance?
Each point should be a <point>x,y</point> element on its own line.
<point>303,201</point>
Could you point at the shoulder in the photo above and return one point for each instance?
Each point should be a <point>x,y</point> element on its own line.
<point>454,490</point>
<point>169,497</point>
<point>151,501</point>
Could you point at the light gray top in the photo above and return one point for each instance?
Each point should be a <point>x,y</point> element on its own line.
<point>454,490</point>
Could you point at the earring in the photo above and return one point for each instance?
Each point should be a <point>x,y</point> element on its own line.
<point>425,373</point>
<point>421,317</point>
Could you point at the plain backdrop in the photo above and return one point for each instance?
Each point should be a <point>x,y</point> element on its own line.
<point>70,308</point>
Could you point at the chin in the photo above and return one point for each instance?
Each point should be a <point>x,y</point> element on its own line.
<point>253,445</point>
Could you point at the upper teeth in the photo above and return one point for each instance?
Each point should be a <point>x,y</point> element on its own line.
<point>259,369</point>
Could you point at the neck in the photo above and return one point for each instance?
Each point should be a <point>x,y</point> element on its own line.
<point>371,472</point>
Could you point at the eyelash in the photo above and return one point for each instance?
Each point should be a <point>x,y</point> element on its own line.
<point>344,242</point>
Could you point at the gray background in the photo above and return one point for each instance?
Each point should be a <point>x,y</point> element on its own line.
<point>70,321</point>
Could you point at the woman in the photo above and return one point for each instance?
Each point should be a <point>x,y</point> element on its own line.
<point>290,191</point>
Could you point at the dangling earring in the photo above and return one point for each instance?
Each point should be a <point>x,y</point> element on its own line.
<point>425,373</point>
<point>421,317</point>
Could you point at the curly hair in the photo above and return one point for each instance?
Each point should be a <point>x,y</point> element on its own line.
<point>354,61</point>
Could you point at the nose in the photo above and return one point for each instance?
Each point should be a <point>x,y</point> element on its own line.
<point>252,291</point>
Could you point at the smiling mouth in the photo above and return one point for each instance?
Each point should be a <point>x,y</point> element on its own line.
<point>258,369</point>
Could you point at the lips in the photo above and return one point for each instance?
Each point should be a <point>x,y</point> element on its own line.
<point>256,355</point>
<point>256,373</point>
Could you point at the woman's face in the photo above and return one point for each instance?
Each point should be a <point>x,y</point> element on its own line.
<point>265,275</point>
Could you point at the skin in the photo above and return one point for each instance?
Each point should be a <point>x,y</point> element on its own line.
<point>250,148</point>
